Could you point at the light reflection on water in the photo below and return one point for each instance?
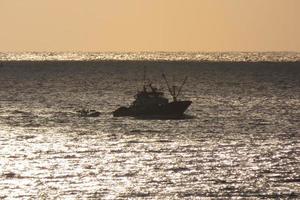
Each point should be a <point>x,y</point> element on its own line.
<point>154,56</point>
<point>243,141</point>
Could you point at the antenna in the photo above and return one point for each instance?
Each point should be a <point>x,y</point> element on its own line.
<point>144,79</point>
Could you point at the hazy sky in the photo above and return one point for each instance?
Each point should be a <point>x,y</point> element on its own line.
<point>150,25</point>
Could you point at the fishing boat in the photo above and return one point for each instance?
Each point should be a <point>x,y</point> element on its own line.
<point>151,103</point>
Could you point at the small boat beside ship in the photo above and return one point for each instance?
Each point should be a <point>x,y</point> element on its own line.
<point>151,103</point>
<point>88,113</point>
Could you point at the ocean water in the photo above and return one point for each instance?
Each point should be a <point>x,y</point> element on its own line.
<point>154,56</point>
<point>242,140</point>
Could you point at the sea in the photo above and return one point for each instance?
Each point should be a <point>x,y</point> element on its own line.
<point>240,141</point>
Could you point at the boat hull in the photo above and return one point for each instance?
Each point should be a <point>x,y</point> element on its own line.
<point>170,110</point>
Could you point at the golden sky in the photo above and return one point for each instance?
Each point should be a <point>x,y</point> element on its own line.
<point>149,25</point>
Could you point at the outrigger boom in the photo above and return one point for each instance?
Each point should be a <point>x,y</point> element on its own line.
<point>172,90</point>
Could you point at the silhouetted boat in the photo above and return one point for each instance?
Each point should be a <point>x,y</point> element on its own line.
<point>151,103</point>
<point>88,113</point>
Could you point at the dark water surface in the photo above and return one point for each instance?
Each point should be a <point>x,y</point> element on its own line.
<point>242,141</point>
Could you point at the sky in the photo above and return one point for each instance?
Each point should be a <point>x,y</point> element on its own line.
<point>149,25</point>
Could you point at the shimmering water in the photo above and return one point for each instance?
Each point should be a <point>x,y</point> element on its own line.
<point>242,141</point>
<point>156,56</point>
